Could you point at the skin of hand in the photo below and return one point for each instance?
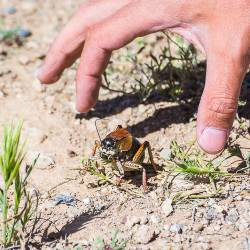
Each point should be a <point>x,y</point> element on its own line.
<point>219,28</point>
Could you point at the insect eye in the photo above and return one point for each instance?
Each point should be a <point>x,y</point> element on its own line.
<point>108,143</point>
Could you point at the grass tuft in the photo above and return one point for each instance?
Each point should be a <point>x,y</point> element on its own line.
<point>15,201</point>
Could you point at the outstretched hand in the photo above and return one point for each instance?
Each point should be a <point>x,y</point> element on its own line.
<point>220,28</point>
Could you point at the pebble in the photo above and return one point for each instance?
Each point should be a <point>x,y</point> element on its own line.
<point>198,227</point>
<point>23,60</point>
<point>1,94</point>
<point>176,228</point>
<point>37,86</point>
<point>247,243</point>
<point>24,33</point>
<point>243,225</point>
<point>144,234</point>
<point>166,154</point>
<point>167,207</point>
<point>99,207</point>
<point>10,10</point>
<point>210,214</point>
<point>86,201</point>
<point>35,135</point>
<point>232,217</point>
<point>155,219</point>
<point>131,221</point>
<point>65,199</point>
<point>45,161</point>
<point>74,212</point>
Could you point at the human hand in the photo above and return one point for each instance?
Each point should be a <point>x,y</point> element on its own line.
<point>220,28</point>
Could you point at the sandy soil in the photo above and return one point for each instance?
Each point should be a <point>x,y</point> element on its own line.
<point>63,137</point>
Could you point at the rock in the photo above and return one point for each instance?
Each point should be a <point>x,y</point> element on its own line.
<point>211,214</point>
<point>86,201</point>
<point>247,243</point>
<point>99,207</point>
<point>144,234</point>
<point>166,154</point>
<point>23,60</point>
<point>167,207</point>
<point>73,212</point>
<point>155,219</point>
<point>1,94</point>
<point>232,217</point>
<point>71,153</point>
<point>24,33</point>
<point>243,225</point>
<point>10,10</point>
<point>131,221</point>
<point>34,136</point>
<point>198,228</point>
<point>45,160</point>
<point>37,86</point>
<point>65,199</point>
<point>176,228</point>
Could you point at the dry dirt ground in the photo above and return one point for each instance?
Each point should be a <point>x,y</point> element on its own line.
<point>63,137</point>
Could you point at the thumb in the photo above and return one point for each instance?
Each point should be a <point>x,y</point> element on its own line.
<point>219,101</point>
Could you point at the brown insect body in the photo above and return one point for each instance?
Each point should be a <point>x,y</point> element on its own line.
<point>125,151</point>
<point>123,143</point>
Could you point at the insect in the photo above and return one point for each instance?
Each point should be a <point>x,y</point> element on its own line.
<point>124,151</point>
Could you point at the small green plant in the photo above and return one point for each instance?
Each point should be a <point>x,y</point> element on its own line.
<point>8,34</point>
<point>99,243</point>
<point>165,72</point>
<point>15,202</point>
<point>193,163</point>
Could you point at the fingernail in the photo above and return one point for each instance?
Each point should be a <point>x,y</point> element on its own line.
<point>213,140</point>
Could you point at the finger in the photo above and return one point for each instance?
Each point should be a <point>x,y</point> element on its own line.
<point>219,101</point>
<point>69,44</point>
<point>112,34</point>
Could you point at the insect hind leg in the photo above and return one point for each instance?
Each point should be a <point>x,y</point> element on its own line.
<point>139,154</point>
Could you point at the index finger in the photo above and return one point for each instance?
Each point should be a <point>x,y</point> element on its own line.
<point>134,20</point>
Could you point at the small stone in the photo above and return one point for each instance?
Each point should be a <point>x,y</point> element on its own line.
<point>198,228</point>
<point>73,212</point>
<point>247,243</point>
<point>86,201</point>
<point>232,217</point>
<point>166,154</point>
<point>10,10</point>
<point>65,199</point>
<point>132,220</point>
<point>210,214</point>
<point>155,219</point>
<point>35,135</point>
<point>144,234</point>
<point>24,60</point>
<point>44,161</point>
<point>71,153</point>
<point>37,86</point>
<point>167,207</point>
<point>176,228</point>
<point>1,94</point>
<point>24,33</point>
<point>99,207</point>
<point>243,225</point>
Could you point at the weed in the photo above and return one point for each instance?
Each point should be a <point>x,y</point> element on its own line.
<point>15,202</point>
<point>99,243</point>
<point>166,73</point>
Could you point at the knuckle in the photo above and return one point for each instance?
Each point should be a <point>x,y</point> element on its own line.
<point>92,33</point>
<point>222,108</point>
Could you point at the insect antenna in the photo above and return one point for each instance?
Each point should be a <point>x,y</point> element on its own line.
<point>97,129</point>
